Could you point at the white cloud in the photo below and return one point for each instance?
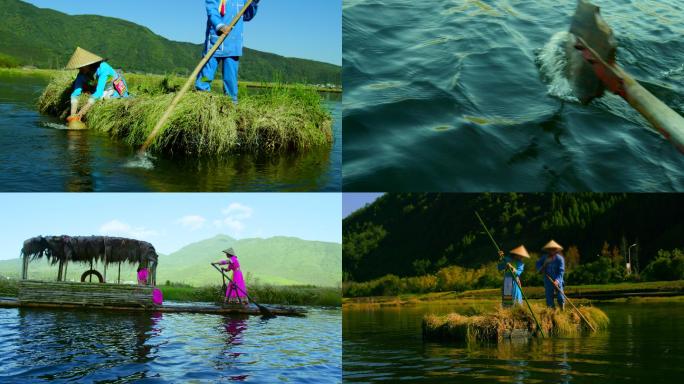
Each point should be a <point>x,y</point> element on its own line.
<point>194,222</point>
<point>233,224</point>
<point>238,211</point>
<point>118,228</point>
<point>233,217</point>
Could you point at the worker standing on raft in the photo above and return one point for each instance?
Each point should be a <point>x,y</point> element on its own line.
<point>96,77</point>
<point>552,265</point>
<point>510,293</point>
<point>219,15</point>
<point>236,291</point>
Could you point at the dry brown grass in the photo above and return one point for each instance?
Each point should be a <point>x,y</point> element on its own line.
<point>498,325</point>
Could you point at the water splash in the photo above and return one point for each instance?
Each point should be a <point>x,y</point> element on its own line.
<point>382,85</point>
<point>552,61</point>
<point>673,73</point>
<point>142,160</point>
<point>61,127</point>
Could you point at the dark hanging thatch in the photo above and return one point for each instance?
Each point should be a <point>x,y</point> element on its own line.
<point>90,248</point>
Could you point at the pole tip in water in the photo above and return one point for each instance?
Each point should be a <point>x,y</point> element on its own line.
<point>142,159</point>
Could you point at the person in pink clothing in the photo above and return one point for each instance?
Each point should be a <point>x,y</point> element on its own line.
<point>143,275</point>
<point>236,292</point>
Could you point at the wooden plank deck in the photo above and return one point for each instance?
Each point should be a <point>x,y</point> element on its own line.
<point>251,310</point>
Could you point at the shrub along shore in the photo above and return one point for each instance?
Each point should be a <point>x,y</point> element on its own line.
<point>667,266</point>
<point>276,119</point>
<point>262,293</point>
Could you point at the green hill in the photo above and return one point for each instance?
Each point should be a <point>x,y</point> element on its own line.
<point>276,260</point>
<point>417,233</point>
<point>46,38</point>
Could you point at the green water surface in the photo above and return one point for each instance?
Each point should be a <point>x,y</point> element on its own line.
<point>644,343</point>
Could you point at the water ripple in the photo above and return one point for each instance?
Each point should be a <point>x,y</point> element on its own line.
<point>385,345</point>
<point>99,346</point>
<point>468,96</point>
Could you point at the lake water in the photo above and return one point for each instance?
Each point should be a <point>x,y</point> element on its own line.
<point>448,95</point>
<point>34,156</point>
<point>99,346</point>
<point>644,343</point>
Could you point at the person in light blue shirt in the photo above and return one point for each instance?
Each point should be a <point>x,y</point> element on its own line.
<point>220,13</point>
<point>95,76</point>
<point>514,266</point>
<point>552,267</point>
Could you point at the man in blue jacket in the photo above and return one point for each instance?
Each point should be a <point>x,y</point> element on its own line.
<point>219,15</point>
<point>552,265</point>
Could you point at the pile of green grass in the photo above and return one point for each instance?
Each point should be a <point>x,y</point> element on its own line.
<point>496,325</point>
<point>283,118</point>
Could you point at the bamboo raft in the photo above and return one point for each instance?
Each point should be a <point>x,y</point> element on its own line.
<point>251,310</point>
<point>60,294</point>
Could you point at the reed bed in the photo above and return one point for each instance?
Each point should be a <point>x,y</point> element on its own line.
<point>262,293</point>
<point>282,118</point>
<point>8,287</point>
<point>507,322</point>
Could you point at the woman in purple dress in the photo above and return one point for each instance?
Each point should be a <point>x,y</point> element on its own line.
<point>236,292</point>
<point>143,275</point>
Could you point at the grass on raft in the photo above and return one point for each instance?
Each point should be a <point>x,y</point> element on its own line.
<point>282,118</point>
<point>492,326</point>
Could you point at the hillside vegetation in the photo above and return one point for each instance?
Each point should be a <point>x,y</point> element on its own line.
<point>45,38</point>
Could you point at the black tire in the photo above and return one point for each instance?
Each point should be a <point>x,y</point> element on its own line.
<point>91,272</point>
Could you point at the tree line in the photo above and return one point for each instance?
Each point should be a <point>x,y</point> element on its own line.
<point>130,46</point>
<point>416,235</point>
<point>668,265</point>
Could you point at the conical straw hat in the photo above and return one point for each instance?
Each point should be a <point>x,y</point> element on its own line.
<point>552,245</point>
<point>229,251</point>
<point>520,251</point>
<point>81,58</point>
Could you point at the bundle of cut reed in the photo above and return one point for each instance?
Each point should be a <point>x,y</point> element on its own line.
<point>280,119</point>
<point>506,323</point>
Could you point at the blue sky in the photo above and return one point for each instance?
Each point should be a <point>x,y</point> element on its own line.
<point>353,201</point>
<point>169,220</point>
<point>310,29</point>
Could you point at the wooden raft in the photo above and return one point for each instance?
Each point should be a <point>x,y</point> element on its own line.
<point>63,295</point>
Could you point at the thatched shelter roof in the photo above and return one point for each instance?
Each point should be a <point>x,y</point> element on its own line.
<point>90,248</point>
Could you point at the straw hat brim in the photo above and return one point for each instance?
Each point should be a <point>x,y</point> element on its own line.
<point>520,251</point>
<point>552,245</point>
<point>229,251</point>
<point>82,58</point>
